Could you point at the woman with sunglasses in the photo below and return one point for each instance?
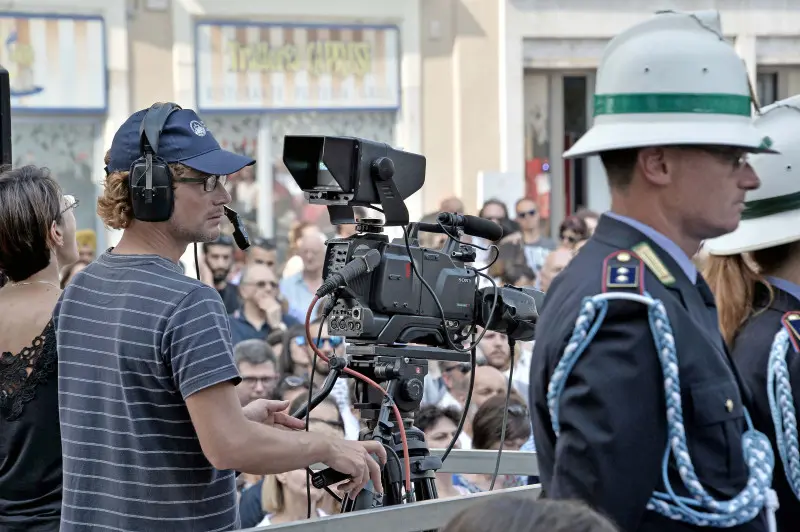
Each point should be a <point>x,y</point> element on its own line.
<point>37,240</point>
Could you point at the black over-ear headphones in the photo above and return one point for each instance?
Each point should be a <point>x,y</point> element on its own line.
<point>150,178</point>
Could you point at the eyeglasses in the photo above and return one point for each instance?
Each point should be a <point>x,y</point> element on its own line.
<point>262,284</point>
<point>736,157</point>
<point>525,214</point>
<point>334,341</point>
<point>209,182</point>
<point>265,381</point>
<point>71,201</point>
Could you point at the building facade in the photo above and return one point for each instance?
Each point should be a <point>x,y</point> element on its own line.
<point>490,91</point>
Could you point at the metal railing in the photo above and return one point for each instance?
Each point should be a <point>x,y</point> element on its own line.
<point>427,515</point>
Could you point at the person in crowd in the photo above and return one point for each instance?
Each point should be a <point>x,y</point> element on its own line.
<point>290,387</point>
<point>262,251</point>
<point>87,245</point>
<point>277,342</point>
<point>71,271</point>
<point>554,264</point>
<point>495,210</point>
<point>37,240</point>
<point>259,502</point>
<point>494,347</point>
<point>152,428</point>
<point>258,368</point>
<point>754,273</point>
<point>452,204</point>
<point>262,309</point>
<point>571,231</point>
<point>605,412</point>
<point>522,514</point>
<point>487,426</point>
<point>528,245</point>
<point>294,262</point>
<point>296,359</point>
<point>328,346</point>
<point>439,426</point>
<point>299,288</point>
<point>489,382</point>
<point>519,275</point>
<point>590,218</point>
<point>218,256</point>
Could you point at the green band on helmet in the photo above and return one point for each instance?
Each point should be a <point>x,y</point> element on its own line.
<point>769,206</point>
<point>717,104</point>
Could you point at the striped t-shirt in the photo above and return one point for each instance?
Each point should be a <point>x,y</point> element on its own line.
<point>136,338</point>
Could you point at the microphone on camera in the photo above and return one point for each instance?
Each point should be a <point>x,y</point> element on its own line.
<point>473,225</point>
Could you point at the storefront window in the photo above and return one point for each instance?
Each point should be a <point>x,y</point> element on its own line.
<point>67,149</point>
<point>537,144</point>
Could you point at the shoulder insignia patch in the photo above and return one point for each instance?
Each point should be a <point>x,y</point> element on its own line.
<point>650,257</point>
<point>623,270</point>
<point>791,322</point>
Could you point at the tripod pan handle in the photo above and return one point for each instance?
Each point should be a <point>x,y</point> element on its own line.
<point>327,477</point>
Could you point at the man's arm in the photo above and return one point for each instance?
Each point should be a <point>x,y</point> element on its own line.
<point>612,419</point>
<point>197,346</point>
<point>230,441</point>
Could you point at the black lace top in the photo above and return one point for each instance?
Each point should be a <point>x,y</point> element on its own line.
<point>30,439</point>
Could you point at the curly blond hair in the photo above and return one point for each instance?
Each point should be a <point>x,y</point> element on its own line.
<point>114,206</point>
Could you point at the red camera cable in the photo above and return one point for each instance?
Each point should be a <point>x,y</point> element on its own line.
<point>357,375</point>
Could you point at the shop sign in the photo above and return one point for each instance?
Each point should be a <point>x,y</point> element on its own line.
<point>262,67</point>
<point>56,63</point>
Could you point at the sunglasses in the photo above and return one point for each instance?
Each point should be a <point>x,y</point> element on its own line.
<point>525,214</point>
<point>293,381</point>
<point>209,182</point>
<point>570,238</point>
<point>71,201</point>
<point>334,341</point>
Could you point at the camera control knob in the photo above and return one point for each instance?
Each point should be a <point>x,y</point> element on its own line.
<point>412,390</point>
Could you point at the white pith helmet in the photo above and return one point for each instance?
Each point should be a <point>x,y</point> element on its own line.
<point>672,80</point>
<point>772,211</point>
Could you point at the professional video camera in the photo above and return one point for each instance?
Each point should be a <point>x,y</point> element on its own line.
<point>398,304</point>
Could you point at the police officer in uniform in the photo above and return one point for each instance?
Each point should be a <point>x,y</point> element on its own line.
<point>759,297</point>
<point>637,408</point>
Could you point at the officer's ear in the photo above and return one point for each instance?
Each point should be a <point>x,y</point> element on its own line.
<point>656,165</point>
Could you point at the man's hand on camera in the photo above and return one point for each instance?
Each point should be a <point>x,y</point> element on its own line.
<point>272,413</point>
<point>353,458</point>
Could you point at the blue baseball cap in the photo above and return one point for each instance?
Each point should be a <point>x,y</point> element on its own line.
<point>184,139</point>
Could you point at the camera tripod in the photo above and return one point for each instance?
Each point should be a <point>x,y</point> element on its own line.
<point>403,369</point>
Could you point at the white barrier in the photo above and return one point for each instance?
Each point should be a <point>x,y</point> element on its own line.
<point>427,515</point>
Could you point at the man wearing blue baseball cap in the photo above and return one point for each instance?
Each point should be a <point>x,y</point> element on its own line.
<point>152,429</point>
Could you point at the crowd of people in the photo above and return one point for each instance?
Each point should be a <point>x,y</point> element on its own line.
<point>658,392</point>
<point>125,382</point>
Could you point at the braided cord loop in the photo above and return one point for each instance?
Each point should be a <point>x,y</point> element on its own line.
<point>701,509</point>
<point>781,406</point>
